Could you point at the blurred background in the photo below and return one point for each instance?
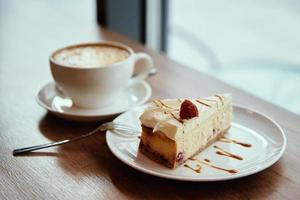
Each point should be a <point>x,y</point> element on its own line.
<point>253,45</point>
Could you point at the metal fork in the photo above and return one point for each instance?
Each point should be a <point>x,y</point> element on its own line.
<point>123,130</point>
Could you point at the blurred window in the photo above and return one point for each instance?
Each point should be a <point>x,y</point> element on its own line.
<point>252,45</point>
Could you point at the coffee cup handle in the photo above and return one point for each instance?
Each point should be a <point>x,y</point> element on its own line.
<point>137,78</point>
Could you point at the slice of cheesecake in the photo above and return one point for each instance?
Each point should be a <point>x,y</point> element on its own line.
<point>174,130</point>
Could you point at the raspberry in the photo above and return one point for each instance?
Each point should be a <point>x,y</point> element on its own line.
<point>188,110</point>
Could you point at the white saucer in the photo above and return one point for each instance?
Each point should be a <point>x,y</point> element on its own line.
<point>53,100</point>
<point>265,135</point>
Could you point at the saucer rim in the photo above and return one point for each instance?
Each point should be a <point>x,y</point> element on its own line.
<point>143,100</point>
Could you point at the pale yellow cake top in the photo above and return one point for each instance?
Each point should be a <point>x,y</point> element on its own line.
<point>163,115</point>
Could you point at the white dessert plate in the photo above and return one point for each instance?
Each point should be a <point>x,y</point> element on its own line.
<point>53,100</point>
<point>249,127</point>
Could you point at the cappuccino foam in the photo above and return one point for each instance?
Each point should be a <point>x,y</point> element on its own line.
<point>91,56</point>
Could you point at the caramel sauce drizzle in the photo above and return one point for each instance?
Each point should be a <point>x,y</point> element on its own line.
<point>201,102</point>
<point>228,140</point>
<point>221,98</point>
<point>224,140</point>
<point>179,120</point>
<point>212,100</point>
<point>166,106</point>
<point>222,152</point>
<point>232,171</point>
<point>207,162</point>
<point>197,170</point>
<point>160,104</point>
<point>157,104</point>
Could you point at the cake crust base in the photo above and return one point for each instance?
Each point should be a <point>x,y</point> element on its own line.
<point>155,156</point>
<point>170,162</point>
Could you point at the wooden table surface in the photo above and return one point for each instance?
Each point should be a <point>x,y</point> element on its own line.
<point>87,169</point>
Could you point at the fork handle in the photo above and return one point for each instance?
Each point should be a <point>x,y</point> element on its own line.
<point>43,146</point>
<point>37,147</point>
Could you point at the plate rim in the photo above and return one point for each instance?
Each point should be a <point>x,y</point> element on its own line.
<point>145,84</point>
<point>210,179</point>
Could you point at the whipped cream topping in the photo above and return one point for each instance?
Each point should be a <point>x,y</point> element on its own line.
<point>163,115</point>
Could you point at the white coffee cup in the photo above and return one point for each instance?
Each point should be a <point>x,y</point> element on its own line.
<point>98,86</point>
